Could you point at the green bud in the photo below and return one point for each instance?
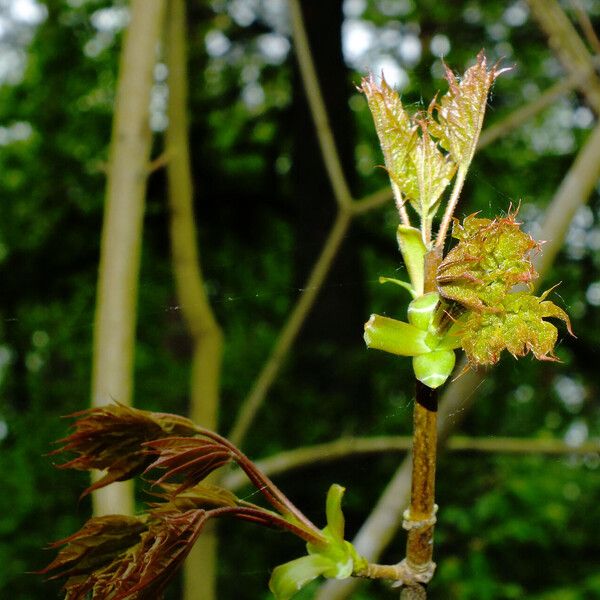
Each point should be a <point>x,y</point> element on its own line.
<point>422,309</point>
<point>434,368</point>
<point>396,337</point>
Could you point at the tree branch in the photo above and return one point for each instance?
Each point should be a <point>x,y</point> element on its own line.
<point>383,522</point>
<point>200,568</point>
<point>566,43</point>
<point>349,447</point>
<point>314,96</point>
<point>291,329</point>
<point>120,247</point>
<point>586,25</point>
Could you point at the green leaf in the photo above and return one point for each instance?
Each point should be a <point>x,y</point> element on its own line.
<point>397,133</point>
<point>289,578</point>
<point>333,509</point>
<point>336,559</point>
<point>490,258</point>
<point>434,171</point>
<point>413,252</point>
<point>396,337</point>
<point>434,368</point>
<point>461,110</point>
<point>519,328</point>
<point>413,159</point>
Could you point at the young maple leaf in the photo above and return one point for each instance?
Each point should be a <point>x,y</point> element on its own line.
<point>415,164</point>
<point>111,438</point>
<point>127,558</point>
<point>519,328</point>
<point>461,110</point>
<point>491,257</point>
<point>192,458</point>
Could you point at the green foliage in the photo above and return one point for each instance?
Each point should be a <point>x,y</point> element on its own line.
<point>518,326</point>
<point>461,110</point>
<point>491,258</point>
<point>335,558</point>
<point>480,273</point>
<point>413,159</point>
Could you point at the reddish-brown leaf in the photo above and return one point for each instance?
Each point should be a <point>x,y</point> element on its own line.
<point>111,438</point>
<point>127,558</point>
<point>192,459</point>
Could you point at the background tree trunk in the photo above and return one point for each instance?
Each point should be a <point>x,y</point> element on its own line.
<point>115,321</point>
<point>200,569</point>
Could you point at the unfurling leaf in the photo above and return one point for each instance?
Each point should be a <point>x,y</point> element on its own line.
<point>289,578</point>
<point>126,558</point>
<point>202,495</point>
<point>413,252</point>
<point>333,510</point>
<point>334,558</point>
<point>461,110</point>
<point>518,327</point>
<point>415,164</point>
<point>98,543</point>
<point>191,458</point>
<point>396,130</point>
<point>490,258</point>
<point>434,171</point>
<point>111,438</point>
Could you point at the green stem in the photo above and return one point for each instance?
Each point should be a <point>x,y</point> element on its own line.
<point>451,206</point>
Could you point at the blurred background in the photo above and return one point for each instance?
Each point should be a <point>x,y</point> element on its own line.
<point>512,524</point>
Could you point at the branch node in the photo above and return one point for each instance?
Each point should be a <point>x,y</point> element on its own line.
<point>409,575</point>
<point>409,523</point>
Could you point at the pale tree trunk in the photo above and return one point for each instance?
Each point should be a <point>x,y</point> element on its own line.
<point>115,321</point>
<point>200,568</point>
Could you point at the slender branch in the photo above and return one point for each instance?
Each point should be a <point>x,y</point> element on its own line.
<point>419,519</point>
<point>374,200</point>
<point>331,157</point>
<point>348,447</point>
<point>200,569</point>
<point>526,112</point>
<point>586,25</point>
<point>568,46</point>
<point>195,306</point>
<point>577,184</point>
<point>380,527</point>
<point>291,329</point>
<point>120,247</point>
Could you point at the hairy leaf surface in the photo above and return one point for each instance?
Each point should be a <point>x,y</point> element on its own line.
<point>461,110</point>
